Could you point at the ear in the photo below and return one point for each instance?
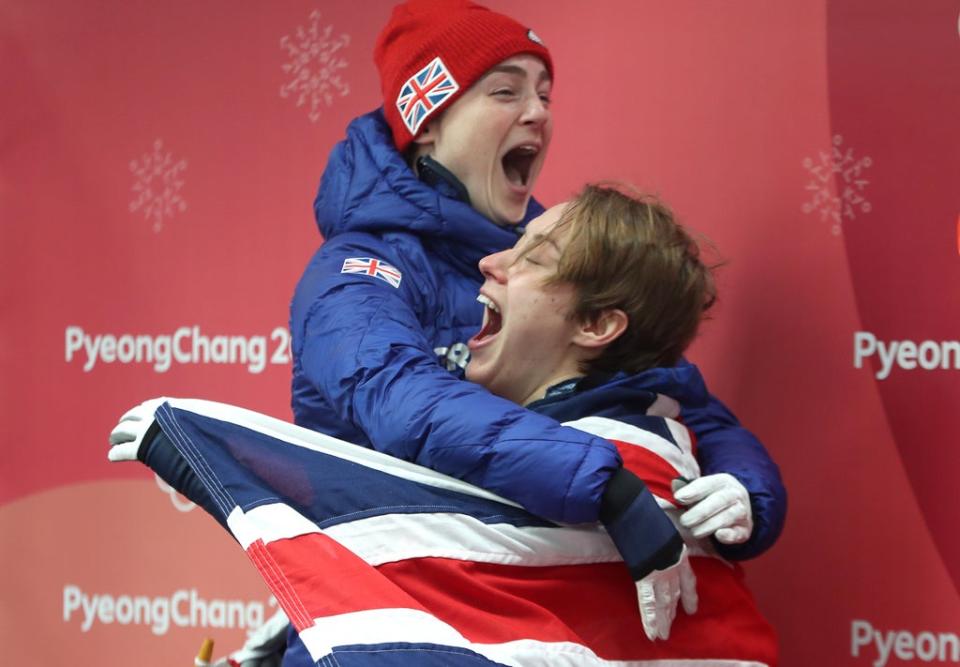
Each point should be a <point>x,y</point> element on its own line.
<point>428,134</point>
<point>602,329</point>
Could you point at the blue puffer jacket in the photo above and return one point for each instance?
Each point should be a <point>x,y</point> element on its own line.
<point>366,351</point>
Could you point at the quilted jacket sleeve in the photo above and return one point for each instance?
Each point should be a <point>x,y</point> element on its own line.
<point>360,343</point>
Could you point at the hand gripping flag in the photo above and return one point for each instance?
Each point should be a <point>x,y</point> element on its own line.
<point>377,561</point>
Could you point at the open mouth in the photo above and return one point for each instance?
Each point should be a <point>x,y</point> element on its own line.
<point>518,163</point>
<point>492,320</point>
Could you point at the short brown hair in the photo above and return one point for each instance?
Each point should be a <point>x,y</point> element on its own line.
<point>625,250</point>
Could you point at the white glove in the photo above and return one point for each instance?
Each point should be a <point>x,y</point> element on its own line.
<point>659,592</point>
<point>127,436</point>
<point>721,507</point>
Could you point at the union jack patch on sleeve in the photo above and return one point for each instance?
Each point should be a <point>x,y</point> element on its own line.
<point>370,266</point>
<point>424,93</point>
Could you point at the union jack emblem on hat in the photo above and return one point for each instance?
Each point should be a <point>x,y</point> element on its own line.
<point>425,92</point>
<point>370,266</point>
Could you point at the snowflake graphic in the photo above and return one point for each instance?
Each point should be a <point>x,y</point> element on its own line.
<point>157,187</point>
<point>314,66</point>
<point>836,184</point>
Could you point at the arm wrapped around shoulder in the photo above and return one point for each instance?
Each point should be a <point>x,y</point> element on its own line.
<point>652,549</point>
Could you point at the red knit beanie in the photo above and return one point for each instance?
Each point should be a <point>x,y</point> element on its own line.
<point>432,51</point>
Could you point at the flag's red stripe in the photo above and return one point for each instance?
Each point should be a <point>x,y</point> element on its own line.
<point>329,579</point>
<point>421,93</point>
<point>592,605</point>
<point>651,467</point>
<point>279,585</point>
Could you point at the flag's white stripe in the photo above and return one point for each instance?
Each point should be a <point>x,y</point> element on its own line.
<point>377,626</point>
<point>303,437</point>
<point>394,537</point>
<point>679,454</point>
<point>268,523</point>
<point>244,532</point>
<point>383,626</point>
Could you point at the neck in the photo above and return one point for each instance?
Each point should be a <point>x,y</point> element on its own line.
<point>440,178</point>
<point>541,391</point>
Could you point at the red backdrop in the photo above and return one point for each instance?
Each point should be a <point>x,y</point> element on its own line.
<point>157,167</point>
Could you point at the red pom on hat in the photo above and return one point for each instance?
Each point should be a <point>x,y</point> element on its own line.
<point>432,51</point>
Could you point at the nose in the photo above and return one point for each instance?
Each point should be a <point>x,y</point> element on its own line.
<point>493,267</point>
<point>536,111</point>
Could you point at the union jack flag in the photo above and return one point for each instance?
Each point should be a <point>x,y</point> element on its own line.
<point>380,562</point>
<point>424,93</point>
<point>370,266</point>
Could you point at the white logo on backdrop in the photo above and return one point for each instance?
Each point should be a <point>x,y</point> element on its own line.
<point>837,184</point>
<point>908,355</point>
<point>159,179</point>
<point>314,65</point>
<point>178,501</point>
<point>187,345</point>
<point>184,608</point>
<point>893,646</point>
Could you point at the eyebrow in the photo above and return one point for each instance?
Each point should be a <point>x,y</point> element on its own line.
<point>539,239</point>
<point>519,71</point>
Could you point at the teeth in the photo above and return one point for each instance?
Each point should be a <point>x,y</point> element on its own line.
<point>488,303</point>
